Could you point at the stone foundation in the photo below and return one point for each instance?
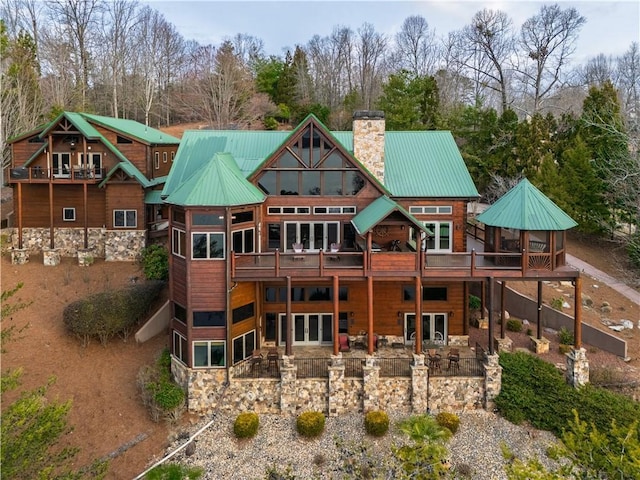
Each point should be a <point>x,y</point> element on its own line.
<point>539,346</point>
<point>577,367</point>
<point>458,340</point>
<point>492,381</point>
<point>19,256</point>
<point>502,344</point>
<point>208,390</point>
<point>51,257</point>
<point>85,257</point>
<point>112,245</point>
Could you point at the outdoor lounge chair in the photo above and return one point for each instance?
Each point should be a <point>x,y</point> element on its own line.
<point>343,340</point>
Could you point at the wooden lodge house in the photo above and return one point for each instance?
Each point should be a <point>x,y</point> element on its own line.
<point>319,239</point>
<point>88,185</point>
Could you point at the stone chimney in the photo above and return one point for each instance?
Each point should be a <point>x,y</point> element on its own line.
<point>368,140</point>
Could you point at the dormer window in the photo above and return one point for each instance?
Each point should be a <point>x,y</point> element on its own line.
<point>121,139</point>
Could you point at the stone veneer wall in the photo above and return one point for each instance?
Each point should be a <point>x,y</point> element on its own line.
<point>208,391</point>
<point>112,245</point>
<point>368,140</point>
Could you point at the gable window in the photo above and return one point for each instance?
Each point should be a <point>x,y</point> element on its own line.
<point>125,218</point>
<point>121,139</point>
<point>164,157</point>
<point>431,209</point>
<point>207,246</point>
<point>69,214</point>
<point>243,240</point>
<point>156,160</point>
<point>173,155</point>
<point>179,243</point>
<point>209,353</point>
<point>179,347</point>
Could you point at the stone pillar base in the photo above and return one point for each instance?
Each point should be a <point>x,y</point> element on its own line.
<point>51,257</point>
<point>539,346</point>
<point>577,367</point>
<point>85,257</point>
<point>492,381</point>
<point>19,256</point>
<point>502,344</point>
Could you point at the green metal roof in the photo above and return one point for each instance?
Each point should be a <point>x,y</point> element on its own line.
<point>128,168</point>
<point>157,181</point>
<point>153,197</point>
<point>134,129</point>
<point>378,210</point>
<point>219,183</point>
<point>524,207</point>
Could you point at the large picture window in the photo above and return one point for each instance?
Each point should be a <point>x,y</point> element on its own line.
<point>209,353</point>
<point>125,218</point>
<point>207,246</point>
<point>209,319</point>
<point>243,346</point>
<point>244,312</point>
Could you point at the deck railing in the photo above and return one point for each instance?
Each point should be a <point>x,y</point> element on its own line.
<point>463,367</point>
<point>312,367</point>
<point>39,174</point>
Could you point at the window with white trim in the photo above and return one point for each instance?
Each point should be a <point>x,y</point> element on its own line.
<point>243,240</point>
<point>243,346</point>
<point>180,347</point>
<point>164,157</point>
<point>441,241</point>
<point>431,209</point>
<point>69,214</point>
<point>156,160</point>
<point>173,155</point>
<point>209,245</point>
<point>288,210</point>
<point>125,218</point>
<point>179,242</point>
<point>333,210</point>
<point>209,353</point>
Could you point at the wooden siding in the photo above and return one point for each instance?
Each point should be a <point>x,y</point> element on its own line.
<point>136,152</point>
<point>35,201</point>
<point>22,150</point>
<point>179,280</point>
<point>125,196</point>
<point>208,284</point>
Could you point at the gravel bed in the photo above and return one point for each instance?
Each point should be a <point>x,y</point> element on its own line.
<point>474,449</point>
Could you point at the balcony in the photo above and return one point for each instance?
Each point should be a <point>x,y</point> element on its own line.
<point>78,174</point>
<point>462,265</point>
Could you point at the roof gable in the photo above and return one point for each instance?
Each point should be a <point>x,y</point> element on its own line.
<point>131,128</point>
<point>377,211</point>
<point>524,207</point>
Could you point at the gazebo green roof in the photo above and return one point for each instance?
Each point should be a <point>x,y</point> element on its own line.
<point>524,207</point>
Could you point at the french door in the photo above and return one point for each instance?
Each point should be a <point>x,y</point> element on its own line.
<point>61,164</point>
<point>313,236</point>
<point>307,328</point>
<point>434,327</point>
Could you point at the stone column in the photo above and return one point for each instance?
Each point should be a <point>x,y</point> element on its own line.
<point>370,394</point>
<point>492,381</point>
<point>289,387</point>
<point>85,257</point>
<point>419,385</point>
<point>577,367</point>
<point>503,344</point>
<point>19,256</point>
<point>337,400</point>
<point>51,256</point>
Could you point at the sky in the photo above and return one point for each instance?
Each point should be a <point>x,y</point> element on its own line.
<point>610,28</point>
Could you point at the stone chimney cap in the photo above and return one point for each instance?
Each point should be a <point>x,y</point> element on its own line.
<point>368,114</point>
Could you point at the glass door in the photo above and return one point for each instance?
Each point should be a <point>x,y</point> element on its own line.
<point>307,328</point>
<point>314,236</point>
<point>434,328</point>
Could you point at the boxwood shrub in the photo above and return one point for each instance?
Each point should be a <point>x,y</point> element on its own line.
<point>376,423</point>
<point>310,424</point>
<point>246,425</point>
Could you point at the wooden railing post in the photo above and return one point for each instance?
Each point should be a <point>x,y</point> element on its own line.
<point>473,262</point>
<point>277,262</point>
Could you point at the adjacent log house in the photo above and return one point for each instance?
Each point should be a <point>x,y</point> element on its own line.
<point>89,183</point>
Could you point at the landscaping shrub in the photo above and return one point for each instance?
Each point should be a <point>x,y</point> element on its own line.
<point>534,390</point>
<point>155,262</point>
<point>556,303</point>
<point>448,420</point>
<point>107,314</point>
<point>376,423</point>
<point>514,325</point>
<point>565,336</point>
<point>310,424</point>
<point>174,471</point>
<point>474,302</point>
<point>164,398</point>
<point>246,425</point>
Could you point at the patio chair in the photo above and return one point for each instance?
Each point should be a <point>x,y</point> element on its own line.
<point>297,247</point>
<point>454,358</point>
<point>434,359</point>
<point>343,340</point>
<point>256,360</point>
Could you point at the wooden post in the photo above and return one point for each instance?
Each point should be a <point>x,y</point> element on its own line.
<point>418,345</point>
<point>482,297</point>
<point>465,308</point>
<point>19,215</point>
<point>86,215</point>
<point>490,330</point>
<point>288,345</point>
<point>51,242</point>
<point>539,333</point>
<point>370,346</point>
<point>577,326</point>
<point>336,314</point>
<point>503,290</point>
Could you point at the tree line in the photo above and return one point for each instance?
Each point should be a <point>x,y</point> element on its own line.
<point>515,101</point>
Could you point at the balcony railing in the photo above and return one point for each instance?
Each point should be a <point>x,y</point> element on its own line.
<point>39,174</point>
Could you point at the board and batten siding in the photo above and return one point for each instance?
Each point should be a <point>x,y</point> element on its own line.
<point>125,196</point>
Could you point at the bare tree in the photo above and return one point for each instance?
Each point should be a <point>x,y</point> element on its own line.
<point>598,70</point>
<point>370,47</point>
<point>78,20</point>
<point>628,81</point>
<point>486,47</point>
<point>548,41</point>
<point>416,48</point>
